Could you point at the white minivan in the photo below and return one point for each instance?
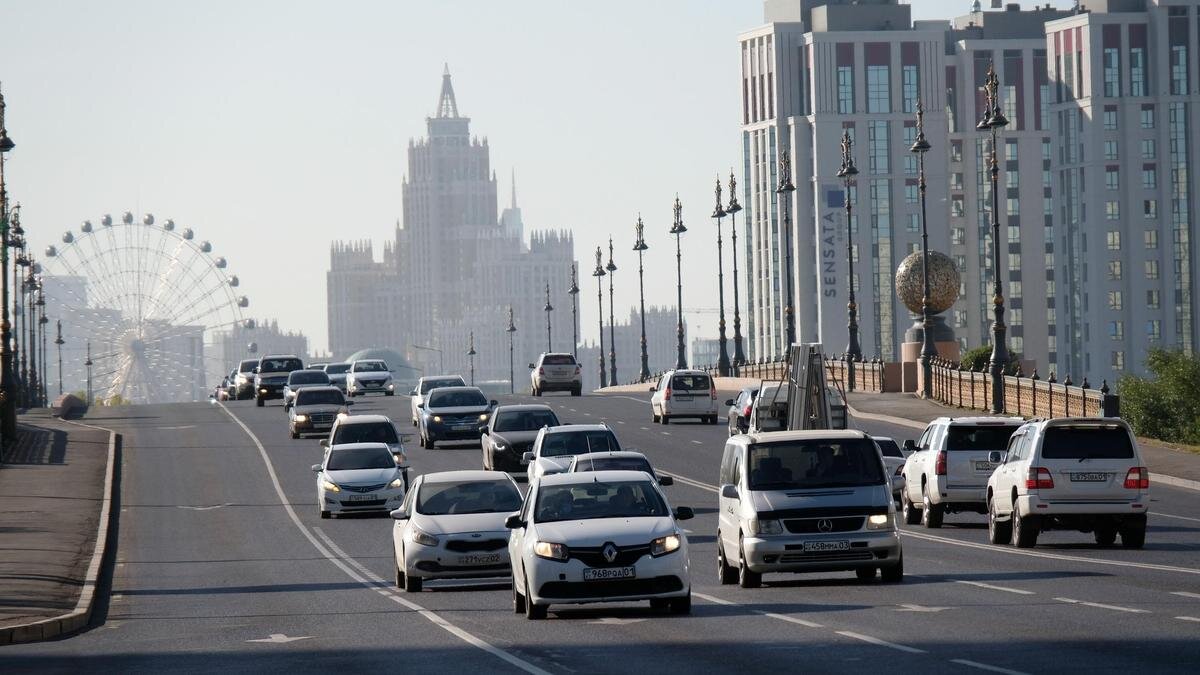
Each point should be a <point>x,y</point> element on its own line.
<point>805,501</point>
<point>684,393</point>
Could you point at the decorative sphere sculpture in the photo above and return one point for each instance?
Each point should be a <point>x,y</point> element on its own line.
<point>943,282</point>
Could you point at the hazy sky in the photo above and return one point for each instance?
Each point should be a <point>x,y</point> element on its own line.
<point>275,127</point>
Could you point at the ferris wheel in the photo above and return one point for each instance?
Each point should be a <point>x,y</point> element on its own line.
<point>145,298</point>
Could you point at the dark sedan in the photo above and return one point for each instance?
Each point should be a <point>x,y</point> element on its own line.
<point>453,414</point>
<point>510,434</point>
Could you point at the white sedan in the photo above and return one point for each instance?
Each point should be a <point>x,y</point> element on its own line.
<point>451,526</point>
<point>603,536</point>
<point>358,477</point>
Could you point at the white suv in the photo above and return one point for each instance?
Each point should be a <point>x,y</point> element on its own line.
<point>1083,474</point>
<point>556,372</point>
<point>949,467</point>
<point>684,393</point>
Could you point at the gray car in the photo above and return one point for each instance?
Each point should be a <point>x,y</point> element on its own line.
<point>510,434</point>
<point>301,379</point>
<point>337,374</point>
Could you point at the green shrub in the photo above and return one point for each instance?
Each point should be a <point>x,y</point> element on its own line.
<point>979,357</point>
<point>1165,405</point>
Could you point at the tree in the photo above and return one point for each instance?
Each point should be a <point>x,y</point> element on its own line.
<point>979,357</point>
<point>1166,405</point>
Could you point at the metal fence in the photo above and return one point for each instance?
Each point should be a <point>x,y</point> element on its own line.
<point>956,385</point>
<point>855,375</point>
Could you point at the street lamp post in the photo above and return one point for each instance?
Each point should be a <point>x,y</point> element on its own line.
<point>739,356</point>
<point>17,242</point>
<point>512,373</point>
<point>677,229</point>
<point>471,356</point>
<point>441,356</point>
<point>8,402</point>
<point>574,292</point>
<point>612,337</point>
<point>88,364</point>
<point>847,173</point>
<point>993,121</point>
<point>723,350</point>
<point>928,351</point>
<point>640,246</point>
<point>58,342</point>
<point>31,344</point>
<point>42,321</point>
<point>548,308</point>
<point>786,189</point>
<point>599,272</point>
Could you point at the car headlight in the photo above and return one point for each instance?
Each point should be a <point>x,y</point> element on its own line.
<point>419,536</point>
<point>665,545</point>
<point>262,390</point>
<point>550,550</point>
<point>483,417</point>
<point>391,386</point>
<point>330,486</point>
<point>879,521</point>
<point>399,482</point>
<point>500,446</point>
<point>437,418</point>
<point>759,526</point>
<point>301,418</point>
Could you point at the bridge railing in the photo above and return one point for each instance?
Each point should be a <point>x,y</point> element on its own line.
<point>962,387</point>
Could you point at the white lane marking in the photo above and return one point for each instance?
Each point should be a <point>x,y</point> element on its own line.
<point>204,508</point>
<point>638,400</point>
<point>693,483</point>
<point>644,428</point>
<point>1006,589</point>
<point>572,410</point>
<point>698,443</point>
<point>712,599</point>
<point>920,608</point>
<point>1186,594</point>
<point>620,421</point>
<point>280,638</point>
<point>182,426</point>
<point>792,619</point>
<point>1189,618</point>
<point>984,666</point>
<point>615,621</point>
<point>665,433</point>
<point>881,643</point>
<point>1169,515</point>
<point>1099,605</point>
<point>342,565</point>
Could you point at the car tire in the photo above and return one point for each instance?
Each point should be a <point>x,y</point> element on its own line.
<point>653,416</point>
<point>931,514</point>
<point>1106,535</point>
<point>577,391</point>
<point>412,584</point>
<point>909,510</point>
<point>518,600</point>
<point>680,606</point>
<point>659,603</point>
<point>664,419</point>
<point>1024,529</point>
<point>533,611</point>
<point>399,576</point>
<point>714,419</point>
<point>999,532</point>
<point>893,574</point>
<point>726,573</point>
<point>325,515</point>
<point>259,402</point>
<point>1133,533</point>
<point>537,392</point>
<point>865,573</point>
<point>489,462</point>
<point>747,578</point>
<point>295,435</point>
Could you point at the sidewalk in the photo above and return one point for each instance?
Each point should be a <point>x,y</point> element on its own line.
<point>52,494</point>
<point>909,410</point>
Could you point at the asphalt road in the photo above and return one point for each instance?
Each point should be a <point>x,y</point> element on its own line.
<point>221,548</point>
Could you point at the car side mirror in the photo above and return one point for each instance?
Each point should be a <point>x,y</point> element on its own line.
<point>483,430</point>
<point>324,442</point>
<point>910,445</point>
<point>413,392</point>
<point>653,389</point>
<point>729,402</point>
<point>666,481</point>
<point>255,370</point>
<point>493,403</point>
<point>400,514</point>
<point>684,513</point>
<point>996,457</point>
<point>527,457</point>
<point>514,522</point>
<point>729,491</point>
<point>421,405</point>
<point>532,366</point>
<point>316,468</point>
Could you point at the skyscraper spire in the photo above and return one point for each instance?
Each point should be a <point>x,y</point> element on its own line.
<point>447,107</point>
<point>514,188</point>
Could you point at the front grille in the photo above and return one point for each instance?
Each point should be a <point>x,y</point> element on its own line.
<point>469,545</point>
<point>610,589</point>
<point>363,488</point>
<point>813,525</point>
<point>826,556</point>
<point>372,502</point>
<point>321,418</point>
<point>593,556</point>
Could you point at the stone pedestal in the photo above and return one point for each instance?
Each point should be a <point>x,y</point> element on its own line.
<point>910,350</point>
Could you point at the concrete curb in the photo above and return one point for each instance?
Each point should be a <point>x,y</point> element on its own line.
<point>900,421</point>
<point>78,618</point>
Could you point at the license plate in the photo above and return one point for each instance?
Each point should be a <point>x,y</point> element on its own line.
<point>463,427</point>
<point>1092,477</point>
<point>819,546</point>
<point>361,498</point>
<point>984,466</point>
<point>485,559</point>
<point>606,573</point>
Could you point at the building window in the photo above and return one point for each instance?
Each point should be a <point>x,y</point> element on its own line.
<point>1112,178</point>
<point>1137,71</point>
<point>1151,269</point>
<point>956,206</point>
<point>1114,270</point>
<point>1014,234</point>
<point>1012,178</point>
<point>1015,318</point>
<point>1112,209</point>
<point>1112,72</point>
<point>1148,149</point>
<point>1149,178</point>
<point>878,90</point>
<point>1154,329</point>
<point>1014,291</point>
<point>845,80</point>
<point>1115,301</point>
<point>1110,119</point>
<point>1150,237</point>
<point>958,235</point>
<point>1110,149</point>
<point>914,222</point>
<point>1179,71</point>
<point>910,193</point>
<point>1113,238</point>
<point>910,85</point>
<point>1047,206</point>
<point>956,180</point>
<point>1116,330</point>
<point>1150,208</point>
<point>1118,360</point>
<point>1044,113</point>
<point>1152,300</point>
<point>955,151</point>
<point>910,158</point>
<point>877,146</point>
<point>1147,117</point>
<point>1014,206</point>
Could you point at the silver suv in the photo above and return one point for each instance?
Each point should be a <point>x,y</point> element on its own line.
<point>1083,474</point>
<point>556,372</point>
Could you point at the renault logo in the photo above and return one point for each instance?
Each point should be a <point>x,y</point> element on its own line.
<point>825,525</point>
<point>610,552</point>
<point>476,535</point>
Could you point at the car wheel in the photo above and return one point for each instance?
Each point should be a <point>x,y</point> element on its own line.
<point>389,393</point>
<point>488,461</point>
<point>909,510</point>
<point>326,515</point>
<point>518,601</point>
<point>999,532</point>
<point>865,573</point>
<point>412,584</point>
<point>893,574</point>
<point>931,514</point>
<point>1024,529</point>
<point>726,573</point>
<point>713,419</point>
<point>399,577</point>
<point>659,603</point>
<point>680,606</point>
<point>1133,533</point>
<point>295,435</point>
<point>577,391</point>
<point>746,577</point>
<point>533,612</point>
<point>653,416</point>
<point>664,419</point>
<point>1106,535</point>
<point>259,402</point>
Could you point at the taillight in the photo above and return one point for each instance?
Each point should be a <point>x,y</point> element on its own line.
<point>939,465</point>
<point>713,393</point>
<point>746,412</point>
<point>666,394</point>
<point>1137,478</point>
<point>1039,478</point>
<point>541,371</point>
<point>577,371</point>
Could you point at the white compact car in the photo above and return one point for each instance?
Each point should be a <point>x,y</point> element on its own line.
<point>426,385</point>
<point>357,478</point>
<point>1084,474</point>
<point>556,372</point>
<point>605,536</point>
<point>684,393</point>
<point>349,429</point>
<point>369,376</point>
<point>622,460</point>
<point>451,526</point>
<point>554,447</point>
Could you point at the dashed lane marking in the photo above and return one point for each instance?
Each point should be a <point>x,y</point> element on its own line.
<point>993,587</point>
<point>984,666</point>
<point>689,481</point>
<point>1098,605</point>
<point>1169,515</point>
<point>697,442</point>
<point>792,619</point>
<point>1186,594</point>
<point>1193,619</point>
<point>644,428</point>
<point>882,643</point>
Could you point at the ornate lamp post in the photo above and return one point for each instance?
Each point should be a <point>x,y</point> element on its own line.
<point>548,308</point>
<point>786,189</point>
<point>640,246</point>
<point>31,384</point>
<point>21,261</point>
<point>58,342</point>
<point>471,355</point>
<point>612,338</point>
<point>739,356</point>
<point>574,292</point>
<point>512,328</point>
<point>677,229</point>
<point>993,121</point>
<point>88,364</point>
<point>42,321</point>
<point>598,273</point>
<point>723,356</point>
<point>847,174</point>
<point>8,402</point>
<point>928,351</point>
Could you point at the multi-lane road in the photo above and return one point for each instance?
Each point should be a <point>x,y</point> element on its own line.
<point>223,563</point>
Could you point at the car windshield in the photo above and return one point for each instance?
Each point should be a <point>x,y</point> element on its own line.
<point>337,368</point>
<point>366,432</point>
<point>1086,443</point>
<point>889,448</point>
<point>615,464</point>
<point>525,420</point>
<point>308,377</point>
<point>567,443</point>
<point>492,496</point>
<point>992,437</point>
<point>558,360</point>
<point>817,463</point>
<point>370,367</point>
<point>617,499</point>
<point>280,365</point>
<point>319,397</point>
<point>247,366</point>
<point>456,399</point>
<point>347,459</point>
<point>690,383</point>
<point>429,385</point>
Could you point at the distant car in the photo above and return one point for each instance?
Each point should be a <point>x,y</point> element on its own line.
<point>623,460</point>
<point>315,409</point>
<point>359,477</point>
<point>453,414</point>
<point>510,433</point>
<point>271,375</point>
<point>451,526</point>
<point>740,407</point>
<point>769,410</point>
<point>351,429</point>
<point>243,379</point>
<point>369,376</point>
<point>554,447</point>
<point>606,536</point>
<point>426,385</point>
<point>299,379</point>
<point>684,393</point>
<point>893,459</point>
<point>317,366</point>
<point>337,374</point>
<point>556,372</point>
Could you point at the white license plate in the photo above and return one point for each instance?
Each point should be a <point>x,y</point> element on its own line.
<point>819,546</point>
<point>463,427</point>
<point>484,559</point>
<point>1092,477</point>
<point>361,498</point>
<point>606,573</point>
<point>984,466</point>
